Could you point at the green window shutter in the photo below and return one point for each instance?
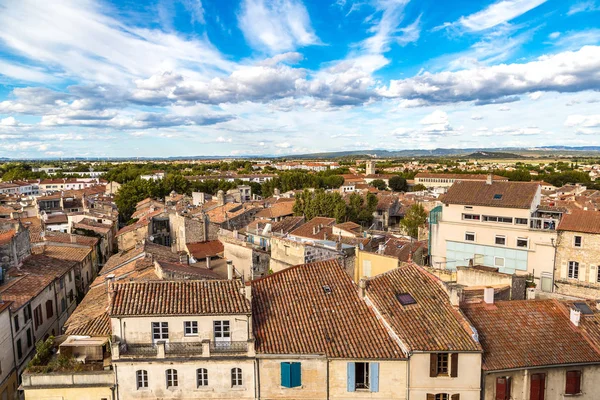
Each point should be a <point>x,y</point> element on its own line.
<point>374,370</point>
<point>296,374</point>
<point>351,377</point>
<point>286,376</point>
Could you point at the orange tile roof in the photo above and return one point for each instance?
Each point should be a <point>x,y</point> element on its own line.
<point>432,324</point>
<point>580,221</point>
<point>6,236</point>
<point>306,230</point>
<point>528,333</point>
<point>63,252</point>
<point>212,297</point>
<point>478,177</point>
<point>478,193</point>
<point>205,249</point>
<point>277,210</point>
<point>294,315</point>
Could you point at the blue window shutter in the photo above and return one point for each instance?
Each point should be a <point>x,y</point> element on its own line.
<point>296,374</point>
<point>286,375</point>
<point>374,370</point>
<point>351,377</point>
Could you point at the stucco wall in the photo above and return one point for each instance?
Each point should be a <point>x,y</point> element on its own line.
<point>588,257</point>
<point>392,381</point>
<point>377,264</point>
<point>313,379</point>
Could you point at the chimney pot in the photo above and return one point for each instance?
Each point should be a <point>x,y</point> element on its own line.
<point>229,269</point>
<point>575,316</point>
<point>488,295</point>
<point>490,179</point>
<point>362,287</point>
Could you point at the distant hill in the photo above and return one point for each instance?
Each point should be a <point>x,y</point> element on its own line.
<point>494,155</point>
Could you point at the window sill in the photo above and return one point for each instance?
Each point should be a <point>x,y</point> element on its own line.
<point>292,388</point>
<point>573,395</point>
<point>238,389</point>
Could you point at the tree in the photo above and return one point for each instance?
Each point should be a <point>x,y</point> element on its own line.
<point>415,218</point>
<point>379,184</point>
<point>398,184</point>
<point>419,187</point>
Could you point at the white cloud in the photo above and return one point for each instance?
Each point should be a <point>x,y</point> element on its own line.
<point>562,72</point>
<point>10,121</point>
<point>554,35</point>
<point>476,117</point>
<point>276,25</point>
<point>498,13</point>
<point>535,95</point>
<point>436,123</point>
<point>584,121</point>
<point>284,145</point>
<point>504,108</point>
<point>583,6</point>
<point>507,130</point>
<point>221,139</point>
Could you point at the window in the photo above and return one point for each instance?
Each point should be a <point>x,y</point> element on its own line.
<point>62,282</point>
<point>469,237</point>
<point>141,377</point>
<point>521,221</point>
<point>577,241</point>
<point>49,309</point>
<point>491,218</point>
<point>537,387</point>
<point>443,364</point>
<point>19,349</point>
<point>172,378</point>
<point>29,338</point>
<point>63,304</point>
<point>236,377</point>
<point>598,273</point>
<point>497,196</point>
<point>160,330</point>
<point>573,385</point>
<point>573,270</point>
<point>500,240</point>
<point>441,396</point>
<point>71,295</point>
<point>27,312</point>
<point>222,330</point>
<point>474,217</point>
<point>16,319</point>
<point>291,374</point>
<point>190,328</point>
<point>70,276</point>
<point>201,377</point>
<point>37,316</point>
<point>523,242</point>
<point>363,376</point>
<point>499,262</point>
<point>503,388</point>
<point>405,299</point>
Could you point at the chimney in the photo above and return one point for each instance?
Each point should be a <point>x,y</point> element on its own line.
<point>110,287</point>
<point>73,239</point>
<point>381,248</point>
<point>229,269</point>
<point>325,236</point>
<point>575,316</point>
<point>315,231</point>
<point>276,192</point>
<point>220,198</point>
<point>362,287</point>
<point>455,293</point>
<point>208,262</point>
<point>490,179</point>
<point>488,295</point>
<point>598,305</point>
<point>248,292</point>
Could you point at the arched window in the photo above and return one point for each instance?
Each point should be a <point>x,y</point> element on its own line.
<point>141,377</point>
<point>172,378</point>
<point>201,377</point>
<point>236,377</point>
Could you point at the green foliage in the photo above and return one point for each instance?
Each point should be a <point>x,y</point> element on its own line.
<point>294,180</point>
<point>419,187</point>
<point>562,178</point>
<point>19,171</point>
<point>43,352</point>
<point>398,184</point>
<point>331,204</point>
<point>415,218</point>
<point>379,184</point>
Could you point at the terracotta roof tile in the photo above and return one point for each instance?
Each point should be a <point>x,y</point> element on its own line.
<point>477,177</point>
<point>580,221</point>
<point>307,230</point>
<point>216,297</point>
<point>277,210</point>
<point>205,249</point>
<point>498,194</point>
<point>77,254</point>
<point>293,314</point>
<point>528,333</point>
<point>432,323</point>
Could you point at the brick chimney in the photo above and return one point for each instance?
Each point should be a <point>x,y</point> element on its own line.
<point>362,287</point>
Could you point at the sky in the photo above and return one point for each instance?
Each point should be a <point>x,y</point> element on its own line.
<point>159,78</point>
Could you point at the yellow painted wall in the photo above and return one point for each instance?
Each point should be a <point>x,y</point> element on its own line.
<point>392,381</point>
<point>69,393</point>
<point>314,379</point>
<point>378,263</point>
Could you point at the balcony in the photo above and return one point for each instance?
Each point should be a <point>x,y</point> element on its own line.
<point>544,224</point>
<point>138,350</point>
<point>229,347</point>
<point>183,349</point>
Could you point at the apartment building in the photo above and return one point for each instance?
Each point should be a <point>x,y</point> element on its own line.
<point>577,268</point>
<point>8,372</point>
<point>538,349</point>
<point>435,181</point>
<point>165,348</point>
<point>495,224</point>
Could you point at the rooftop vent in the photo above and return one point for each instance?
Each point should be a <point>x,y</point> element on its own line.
<point>405,299</point>
<point>326,289</point>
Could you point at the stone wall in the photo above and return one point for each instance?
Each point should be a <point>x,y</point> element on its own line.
<point>588,256</point>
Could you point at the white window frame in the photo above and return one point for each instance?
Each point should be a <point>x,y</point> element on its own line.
<point>201,377</point>
<point>160,331</point>
<point>172,378</point>
<point>496,263</point>
<point>573,270</point>
<point>496,240</point>
<point>526,241</point>
<point>236,377</point>
<point>470,233</point>
<point>580,241</point>
<point>190,328</point>
<point>141,379</point>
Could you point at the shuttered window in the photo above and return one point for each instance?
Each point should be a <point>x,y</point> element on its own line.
<point>363,376</point>
<point>502,388</point>
<point>444,364</point>
<point>573,382</point>
<point>538,386</point>
<point>49,309</point>
<point>291,374</point>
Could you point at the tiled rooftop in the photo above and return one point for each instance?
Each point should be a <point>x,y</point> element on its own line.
<point>205,249</point>
<point>77,254</point>
<point>294,314</point>
<point>580,221</point>
<point>213,297</point>
<point>528,333</point>
<point>432,323</point>
<point>498,194</point>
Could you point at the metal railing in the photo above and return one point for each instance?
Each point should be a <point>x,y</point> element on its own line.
<point>546,224</point>
<point>192,348</point>
<point>229,347</point>
<point>138,349</point>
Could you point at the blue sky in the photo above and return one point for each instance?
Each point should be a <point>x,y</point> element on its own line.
<point>251,77</point>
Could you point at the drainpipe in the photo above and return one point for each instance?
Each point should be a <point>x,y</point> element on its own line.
<point>408,379</point>
<point>327,379</point>
<point>555,245</point>
<point>256,378</point>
